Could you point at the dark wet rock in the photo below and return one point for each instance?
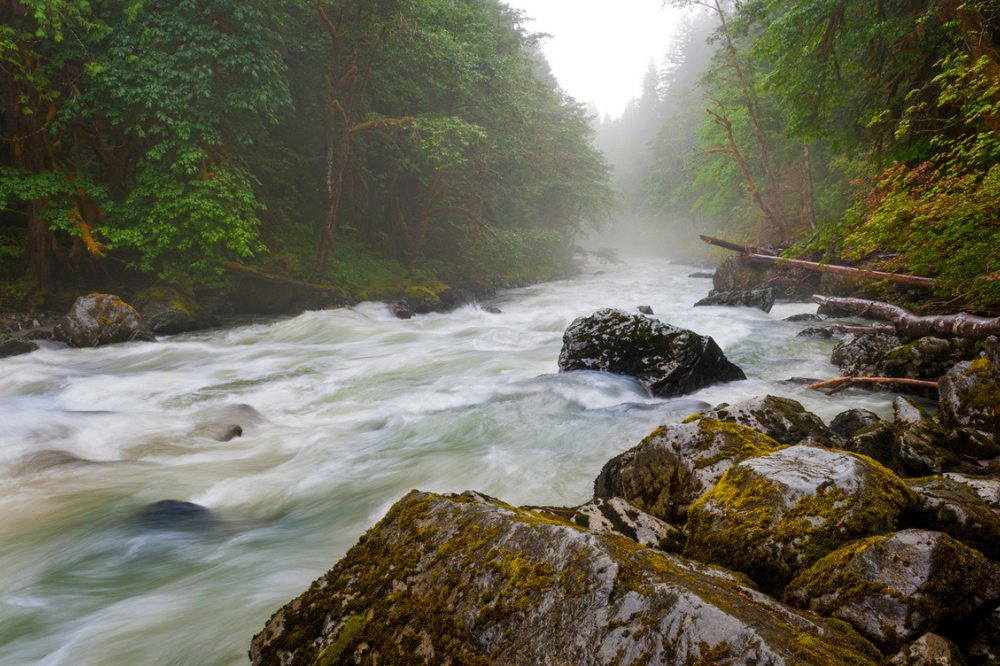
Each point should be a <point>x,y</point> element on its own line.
<point>782,419</point>
<point>11,346</point>
<point>492,310</point>
<point>666,360</point>
<point>676,464</point>
<point>857,354</point>
<point>956,509</point>
<point>895,588</point>
<point>401,311</point>
<point>982,646</point>
<point>175,515</point>
<point>168,311</point>
<point>929,650</point>
<point>762,299</point>
<point>615,515</point>
<point>645,309</point>
<point>773,516</point>
<point>736,274</point>
<point>101,319</point>
<point>847,424</point>
<point>816,333</point>
<point>804,316</point>
<point>970,396</point>
<point>909,447</point>
<point>227,422</point>
<point>702,276</point>
<point>468,579</point>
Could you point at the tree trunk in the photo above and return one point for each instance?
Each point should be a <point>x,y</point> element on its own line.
<point>849,271</point>
<point>735,247</point>
<point>910,326</point>
<point>810,200</point>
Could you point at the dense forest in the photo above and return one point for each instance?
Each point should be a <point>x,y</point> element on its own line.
<point>853,130</point>
<point>360,143</point>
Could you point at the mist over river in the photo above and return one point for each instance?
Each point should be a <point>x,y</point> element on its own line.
<point>360,408</point>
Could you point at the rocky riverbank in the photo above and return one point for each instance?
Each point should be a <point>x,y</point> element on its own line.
<point>753,533</point>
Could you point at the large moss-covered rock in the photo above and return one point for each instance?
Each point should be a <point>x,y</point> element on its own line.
<point>615,515</point>
<point>895,588</point>
<point>847,424</point>
<point>782,419</point>
<point>970,396</point>
<point>762,299</point>
<point>667,360</point>
<point>470,580</point>
<point>737,274</point>
<point>168,311</point>
<point>676,464</point>
<point>956,509</point>
<point>773,516</point>
<point>101,319</point>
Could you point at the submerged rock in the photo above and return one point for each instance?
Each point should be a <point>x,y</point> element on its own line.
<point>468,579</point>
<point>175,515</point>
<point>667,361</point>
<point>101,319</point>
<point>762,299</point>
<point>896,588</point>
<point>773,516</point>
<point>168,311</point>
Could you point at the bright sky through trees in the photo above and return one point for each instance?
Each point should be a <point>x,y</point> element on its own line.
<point>599,50</point>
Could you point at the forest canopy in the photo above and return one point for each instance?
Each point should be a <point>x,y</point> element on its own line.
<point>350,142</point>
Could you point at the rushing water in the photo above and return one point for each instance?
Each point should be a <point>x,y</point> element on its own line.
<point>360,407</point>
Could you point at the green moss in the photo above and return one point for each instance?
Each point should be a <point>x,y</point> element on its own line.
<point>693,418</point>
<point>346,634</point>
<point>741,442</point>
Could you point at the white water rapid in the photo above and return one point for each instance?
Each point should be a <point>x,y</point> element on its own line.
<point>360,408</point>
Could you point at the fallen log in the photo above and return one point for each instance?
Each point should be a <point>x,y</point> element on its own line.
<point>841,383</point>
<point>277,279</point>
<point>887,329</point>
<point>907,325</point>
<point>912,280</point>
<point>735,247</point>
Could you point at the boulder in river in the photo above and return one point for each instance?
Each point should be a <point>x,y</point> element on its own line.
<point>11,346</point>
<point>970,395</point>
<point>762,299</point>
<point>782,419</point>
<point>955,508</point>
<point>773,516</point>
<point>177,516</point>
<point>667,361</point>
<point>470,580</point>
<point>101,319</point>
<point>847,424</point>
<point>737,274</point>
<point>895,588</point>
<point>168,311</point>
<point>929,650</point>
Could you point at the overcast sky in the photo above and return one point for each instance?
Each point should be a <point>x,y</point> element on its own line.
<point>600,49</point>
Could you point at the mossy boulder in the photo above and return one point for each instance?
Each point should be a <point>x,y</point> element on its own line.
<point>676,464</point>
<point>168,311</point>
<point>929,650</point>
<point>737,274</point>
<point>847,424</point>
<point>666,360</point>
<point>782,419</point>
<point>895,588</point>
<point>615,515</point>
<point>470,580</point>
<point>773,516</point>
<point>956,509</point>
<point>969,395</point>
<point>101,319</point>
<point>762,299</point>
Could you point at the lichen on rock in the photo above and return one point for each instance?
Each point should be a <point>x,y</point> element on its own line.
<point>101,319</point>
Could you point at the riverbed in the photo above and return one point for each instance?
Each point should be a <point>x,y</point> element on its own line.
<point>357,408</point>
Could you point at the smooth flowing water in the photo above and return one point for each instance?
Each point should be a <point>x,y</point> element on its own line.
<point>360,408</point>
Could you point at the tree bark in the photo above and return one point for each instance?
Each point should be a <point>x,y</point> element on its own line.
<point>910,326</point>
<point>735,247</point>
<point>842,383</point>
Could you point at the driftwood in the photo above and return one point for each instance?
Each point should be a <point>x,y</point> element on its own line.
<point>743,249</point>
<point>764,255</point>
<point>277,279</point>
<point>841,383</point>
<point>849,271</point>
<point>887,329</point>
<point>907,325</point>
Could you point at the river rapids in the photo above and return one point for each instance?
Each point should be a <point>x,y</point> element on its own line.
<point>358,408</point>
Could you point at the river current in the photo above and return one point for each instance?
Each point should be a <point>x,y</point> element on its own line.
<point>359,407</point>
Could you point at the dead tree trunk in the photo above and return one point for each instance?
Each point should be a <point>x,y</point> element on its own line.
<point>910,326</point>
<point>849,271</point>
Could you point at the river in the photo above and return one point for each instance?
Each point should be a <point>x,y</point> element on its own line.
<point>360,408</point>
